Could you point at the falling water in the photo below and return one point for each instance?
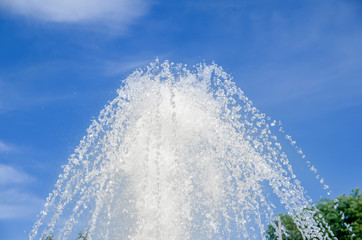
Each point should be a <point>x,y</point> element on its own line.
<point>178,154</point>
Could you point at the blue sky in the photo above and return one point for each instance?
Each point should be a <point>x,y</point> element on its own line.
<point>61,61</point>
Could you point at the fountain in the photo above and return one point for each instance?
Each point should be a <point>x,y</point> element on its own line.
<point>178,154</point>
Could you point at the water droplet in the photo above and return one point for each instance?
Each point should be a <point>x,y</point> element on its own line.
<point>132,174</point>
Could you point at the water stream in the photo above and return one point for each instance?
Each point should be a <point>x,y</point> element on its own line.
<point>180,153</point>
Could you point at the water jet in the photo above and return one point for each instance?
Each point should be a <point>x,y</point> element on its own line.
<point>179,154</point>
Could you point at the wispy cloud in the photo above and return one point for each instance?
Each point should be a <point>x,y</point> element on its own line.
<point>121,12</point>
<point>10,175</point>
<point>15,204</point>
<point>5,147</point>
<point>114,68</point>
<point>18,86</point>
<point>15,200</point>
<point>312,61</point>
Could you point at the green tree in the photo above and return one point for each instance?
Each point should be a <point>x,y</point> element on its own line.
<point>349,205</point>
<point>288,223</point>
<point>83,236</point>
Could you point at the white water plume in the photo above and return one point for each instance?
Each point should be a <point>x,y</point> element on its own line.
<point>178,154</point>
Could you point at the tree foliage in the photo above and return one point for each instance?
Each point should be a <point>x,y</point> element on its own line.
<point>50,237</point>
<point>81,236</point>
<point>339,213</point>
<point>288,223</point>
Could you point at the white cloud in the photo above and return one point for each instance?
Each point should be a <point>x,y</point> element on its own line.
<point>17,93</point>
<point>16,204</point>
<point>15,201</point>
<point>121,12</point>
<point>4,147</point>
<point>9,175</point>
<point>114,68</point>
